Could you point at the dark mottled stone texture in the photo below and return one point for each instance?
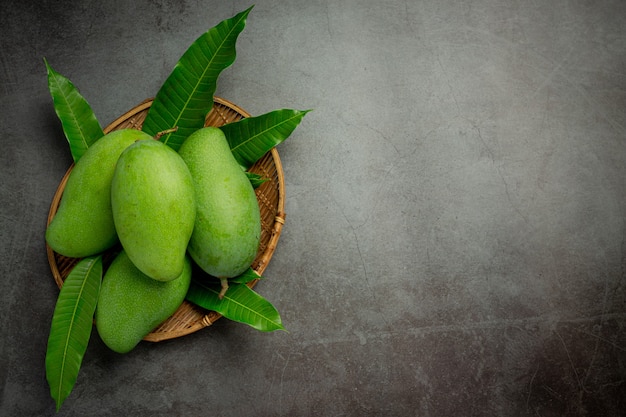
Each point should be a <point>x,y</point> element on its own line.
<point>456,207</point>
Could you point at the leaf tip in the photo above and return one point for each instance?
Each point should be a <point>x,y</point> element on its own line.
<point>48,67</point>
<point>281,328</point>
<point>244,14</point>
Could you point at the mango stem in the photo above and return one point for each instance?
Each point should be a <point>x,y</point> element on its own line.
<point>224,282</point>
<point>165,132</point>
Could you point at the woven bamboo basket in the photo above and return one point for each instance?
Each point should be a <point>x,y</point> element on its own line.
<point>190,318</point>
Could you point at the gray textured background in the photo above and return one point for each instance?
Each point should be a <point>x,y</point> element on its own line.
<point>456,207</point>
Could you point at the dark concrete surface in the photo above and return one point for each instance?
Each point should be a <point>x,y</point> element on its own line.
<point>456,207</point>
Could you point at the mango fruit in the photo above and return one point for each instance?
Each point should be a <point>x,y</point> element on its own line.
<point>131,304</point>
<point>227,229</point>
<point>154,208</point>
<point>83,224</point>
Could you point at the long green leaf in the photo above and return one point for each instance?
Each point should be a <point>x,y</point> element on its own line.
<point>256,179</point>
<point>250,138</point>
<point>247,276</point>
<point>71,327</point>
<point>186,97</point>
<point>240,304</point>
<point>79,123</point>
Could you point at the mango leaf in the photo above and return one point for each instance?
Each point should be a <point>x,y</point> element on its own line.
<point>247,276</point>
<point>186,96</point>
<point>240,304</point>
<point>79,123</point>
<point>256,179</point>
<point>252,137</point>
<point>71,327</point>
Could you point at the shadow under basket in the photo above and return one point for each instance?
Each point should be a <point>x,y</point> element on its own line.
<point>190,318</point>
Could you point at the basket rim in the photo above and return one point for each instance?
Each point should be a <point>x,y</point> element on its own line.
<point>279,220</point>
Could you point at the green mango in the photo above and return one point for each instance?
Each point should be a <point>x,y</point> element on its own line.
<point>83,225</point>
<point>131,304</point>
<point>154,208</point>
<point>227,230</point>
